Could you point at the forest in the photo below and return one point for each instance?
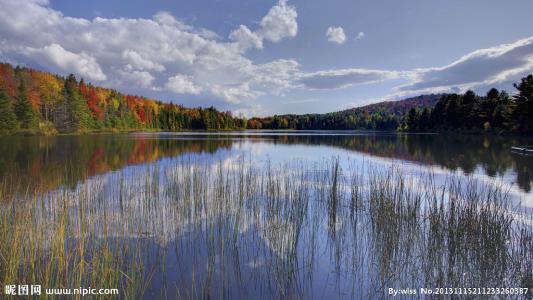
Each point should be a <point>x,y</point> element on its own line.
<point>495,112</point>
<point>379,116</point>
<point>40,102</point>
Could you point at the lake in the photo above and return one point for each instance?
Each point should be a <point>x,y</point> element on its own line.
<point>266,214</point>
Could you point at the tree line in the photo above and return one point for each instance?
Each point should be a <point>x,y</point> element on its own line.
<point>37,101</point>
<point>496,112</point>
<point>378,116</point>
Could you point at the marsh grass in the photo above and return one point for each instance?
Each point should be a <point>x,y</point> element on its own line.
<point>205,228</point>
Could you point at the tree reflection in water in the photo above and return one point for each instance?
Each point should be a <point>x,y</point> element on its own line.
<point>202,227</point>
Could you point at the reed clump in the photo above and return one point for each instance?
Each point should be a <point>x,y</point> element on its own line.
<point>201,227</point>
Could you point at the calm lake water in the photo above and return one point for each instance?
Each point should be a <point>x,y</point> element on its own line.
<point>282,214</point>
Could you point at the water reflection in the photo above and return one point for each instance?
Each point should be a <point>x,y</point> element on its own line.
<point>40,164</point>
<point>211,228</point>
<point>236,216</point>
<point>44,163</point>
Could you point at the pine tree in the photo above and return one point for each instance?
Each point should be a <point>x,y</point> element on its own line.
<point>23,109</point>
<point>524,104</point>
<point>74,112</point>
<point>424,121</point>
<point>412,119</point>
<point>8,119</point>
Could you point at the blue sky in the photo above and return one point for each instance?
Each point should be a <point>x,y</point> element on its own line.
<point>272,57</point>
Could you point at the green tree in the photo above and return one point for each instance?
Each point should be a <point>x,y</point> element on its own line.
<point>23,109</point>
<point>424,121</point>
<point>454,116</point>
<point>78,116</point>
<point>412,119</point>
<point>523,112</point>
<point>8,119</point>
<point>490,104</point>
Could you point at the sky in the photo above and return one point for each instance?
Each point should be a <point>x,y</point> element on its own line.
<point>266,57</point>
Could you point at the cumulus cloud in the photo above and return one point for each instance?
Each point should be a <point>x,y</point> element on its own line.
<point>136,61</point>
<point>251,110</point>
<point>360,36</point>
<point>131,54</point>
<point>164,54</point>
<point>480,68</point>
<point>334,79</point>
<point>166,18</point>
<point>246,39</point>
<point>276,75</point>
<point>62,60</point>
<point>142,79</point>
<point>336,35</point>
<point>182,84</point>
<point>280,22</point>
<point>234,93</point>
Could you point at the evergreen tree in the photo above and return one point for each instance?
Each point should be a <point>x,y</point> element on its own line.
<point>489,105</point>
<point>412,119</point>
<point>424,121</point>
<point>77,114</point>
<point>454,116</point>
<point>8,119</point>
<point>23,109</point>
<point>524,104</point>
<point>468,106</point>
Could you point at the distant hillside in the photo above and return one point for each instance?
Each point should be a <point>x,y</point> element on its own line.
<point>495,112</point>
<point>401,106</point>
<point>386,115</point>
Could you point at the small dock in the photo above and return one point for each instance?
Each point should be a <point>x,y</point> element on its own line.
<point>526,150</point>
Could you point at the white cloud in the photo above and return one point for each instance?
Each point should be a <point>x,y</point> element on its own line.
<point>130,54</point>
<point>246,39</point>
<point>360,36</point>
<point>479,69</point>
<point>276,75</point>
<point>136,61</point>
<point>251,110</point>
<point>137,78</point>
<point>334,79</point>
<point>59,59</point>
<point>336,35</point>
<point>235,93</point>
<point>166,18</point>
<point>182,84</point>
<point>163,53</point>
<point>280,22</point>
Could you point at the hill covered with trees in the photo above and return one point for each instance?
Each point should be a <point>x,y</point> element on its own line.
<point>36,101</point>
<point>40,102</point>
<point>495,112</point>
<point>379,116</point>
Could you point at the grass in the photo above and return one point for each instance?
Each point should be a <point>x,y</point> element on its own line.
<point>196,227</point>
